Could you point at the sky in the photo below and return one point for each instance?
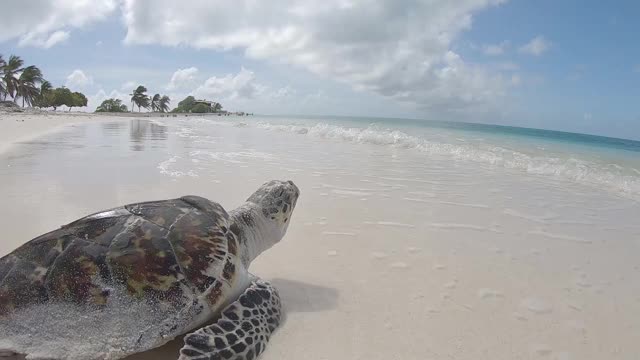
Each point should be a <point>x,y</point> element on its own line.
<point>562,65</point>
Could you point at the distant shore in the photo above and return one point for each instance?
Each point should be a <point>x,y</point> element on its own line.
<point>16,127</point>
<point>32,123</point>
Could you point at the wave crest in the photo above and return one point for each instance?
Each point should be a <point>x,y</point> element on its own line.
<point>613,176</point>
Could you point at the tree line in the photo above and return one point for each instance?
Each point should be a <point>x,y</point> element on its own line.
<point>139,98</point>
<point>191,105</point>
<point>159,103</point>
<point>26,83</point>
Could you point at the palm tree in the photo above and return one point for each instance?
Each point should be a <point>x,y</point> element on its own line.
<point>9,75</point>
<point>216,107</point>
<point>164,103</point>
<point>45,87</point>
<point>43,100</point>
<point>140,98</point>
<point>3,89</point>
<point>155,103</point>
<point>26,87</point>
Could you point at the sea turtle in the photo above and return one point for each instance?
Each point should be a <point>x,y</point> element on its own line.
<point>130,279</point>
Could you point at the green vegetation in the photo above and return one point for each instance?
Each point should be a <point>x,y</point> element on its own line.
<point>191,105</point>
<point>201,109</point>
<point>164,103</point>
<point>185,105</point>
<point>160,103</point>
<point>140,98</point>
<point>112,105</point>
<point>28,85</point>
<point>78,100</point>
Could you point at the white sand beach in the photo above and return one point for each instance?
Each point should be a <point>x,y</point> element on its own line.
<point>391,254</point>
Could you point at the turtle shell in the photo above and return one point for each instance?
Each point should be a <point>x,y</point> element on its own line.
<point>164,252</point>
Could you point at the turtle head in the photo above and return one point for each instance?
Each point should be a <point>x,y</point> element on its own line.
<point>263,220</point>
<point>275,201</point>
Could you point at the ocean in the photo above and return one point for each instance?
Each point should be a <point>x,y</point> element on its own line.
<point>604,162</point>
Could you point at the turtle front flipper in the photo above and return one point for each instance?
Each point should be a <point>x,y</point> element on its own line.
<point>243,330</point>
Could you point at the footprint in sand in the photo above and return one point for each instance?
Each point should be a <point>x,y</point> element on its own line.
<point>413,250</point>
<point>451,285</point>
<point>574,306</point>
<point>399,265</point>
<point>520,317</point>
<point>540,350</point>
<point>439,267</point>
<point>536,306</point>
<point>486,294</point>
<point>496,250</point>
<point>378,255</point>
<point>583,283</point>
<point>332,253</point>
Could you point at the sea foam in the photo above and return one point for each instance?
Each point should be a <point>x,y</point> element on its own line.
<point>624,180</point>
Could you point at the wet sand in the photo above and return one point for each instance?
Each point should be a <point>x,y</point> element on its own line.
<point>388,256</point>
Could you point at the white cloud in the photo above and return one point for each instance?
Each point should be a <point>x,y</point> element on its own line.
<point>495,49</point>
<point>129,85</point>
<point>230,87</point>
<point>537,46</point>
<point>44,40</point>
<point>78,80</point>
<point>283,92</point>
<point>45,23</point>
<point>508,66</point>
<point>401,49</point>
<point>183,78</point>
<point>515,79</point>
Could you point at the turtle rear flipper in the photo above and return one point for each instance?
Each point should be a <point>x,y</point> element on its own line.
<point>243,330</point>
<point>4,353</point>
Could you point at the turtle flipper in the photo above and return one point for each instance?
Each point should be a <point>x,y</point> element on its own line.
<point>4,353</point>
<point>243,330</point>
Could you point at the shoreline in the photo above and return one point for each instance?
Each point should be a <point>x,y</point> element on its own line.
<point>28,125</point>
<point>18,127</point>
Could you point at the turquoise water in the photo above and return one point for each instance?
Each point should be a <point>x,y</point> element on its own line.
<point>486,129</point>
<point>603,162</point>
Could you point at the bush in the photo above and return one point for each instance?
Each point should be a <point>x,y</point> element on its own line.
<point>112,105</point>
<point>201,108</point>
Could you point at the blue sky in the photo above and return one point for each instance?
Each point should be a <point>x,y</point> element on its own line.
<point>565,65</point>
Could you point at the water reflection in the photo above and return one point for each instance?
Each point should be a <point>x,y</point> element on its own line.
<point>141,131</point>
<point>113,128</point>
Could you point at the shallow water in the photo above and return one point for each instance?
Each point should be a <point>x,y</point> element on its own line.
<point>517,246</point>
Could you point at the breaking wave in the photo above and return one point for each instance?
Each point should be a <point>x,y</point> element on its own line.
<point>624,180</point>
